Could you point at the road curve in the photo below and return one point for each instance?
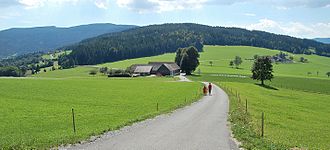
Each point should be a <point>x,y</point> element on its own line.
<point>201,126</point>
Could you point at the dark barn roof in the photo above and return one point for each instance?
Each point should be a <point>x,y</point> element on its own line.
<point>143,69</point>
<point>157,65</point>
<point>133,67</point>
<point>164,68</point>
<point>172,67</point>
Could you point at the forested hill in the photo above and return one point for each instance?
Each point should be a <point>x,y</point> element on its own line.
<point>27,40</point>
<point>159,39</point>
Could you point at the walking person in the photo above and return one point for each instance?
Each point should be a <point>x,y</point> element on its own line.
<point>205,90</point>
<point>210,88</point>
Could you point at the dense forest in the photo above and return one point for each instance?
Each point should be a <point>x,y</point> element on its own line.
<point>159,39</point>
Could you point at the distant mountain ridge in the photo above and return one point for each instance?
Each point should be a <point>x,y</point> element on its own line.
<point>323,40</point>
<point>27,40</point>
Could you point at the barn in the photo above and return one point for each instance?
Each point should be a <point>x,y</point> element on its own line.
<point>157,68</point>
<point>168,69</point>
<point>143,70</point>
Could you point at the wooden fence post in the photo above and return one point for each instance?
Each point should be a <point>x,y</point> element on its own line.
<point>246,106</point>
<point>73,122</point>
<point>262,124</point>
<point>157,107</point>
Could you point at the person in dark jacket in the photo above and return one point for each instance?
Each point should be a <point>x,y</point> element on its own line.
<point>205,90</point>
<point>210,88</point>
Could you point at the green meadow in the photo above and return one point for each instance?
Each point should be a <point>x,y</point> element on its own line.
<point>292,118</point>
<point>221,56</point>
<point>295,103</point>
<point>36,112</point>
<point>37,109</point>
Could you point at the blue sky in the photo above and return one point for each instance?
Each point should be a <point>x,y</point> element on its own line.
<point>300,18</point>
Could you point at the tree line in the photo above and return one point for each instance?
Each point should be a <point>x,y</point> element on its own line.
<point>159,39</point>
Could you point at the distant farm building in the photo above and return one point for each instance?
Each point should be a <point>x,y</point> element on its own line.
<point>157,68</point>
<point>143,70</point>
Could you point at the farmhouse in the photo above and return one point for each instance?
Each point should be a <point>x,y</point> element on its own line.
<point>157,68</point>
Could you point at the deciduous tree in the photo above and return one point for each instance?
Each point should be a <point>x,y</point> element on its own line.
<point>237,61</point>
<point>262,69</point>
<point>187,59</point>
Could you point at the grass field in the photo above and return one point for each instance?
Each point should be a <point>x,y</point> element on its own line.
<point>80,71</point>
<point>295,107</point>
<point>221,56</point>
<point>36,113</point>
<point>296,113</point>
<point>292,118</point>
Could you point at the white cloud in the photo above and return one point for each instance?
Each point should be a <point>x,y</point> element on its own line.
<point>296,29</point>
<point>103,4</point>
<point>170,5</point>
<point>282,8</point>
<point>250,14</point>
<point>32,3</point>
<point>159,6</point>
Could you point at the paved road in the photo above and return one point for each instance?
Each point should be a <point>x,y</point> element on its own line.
<point>201,126</point>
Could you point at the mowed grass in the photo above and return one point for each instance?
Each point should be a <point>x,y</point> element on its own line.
<point>312,85</point>
<point>80,71</point>
<point>36,113</point>
<point>295,105</point>
<point>292,118</point>
<point>221,56</point>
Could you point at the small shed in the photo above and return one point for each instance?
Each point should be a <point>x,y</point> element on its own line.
<point>143,70</point>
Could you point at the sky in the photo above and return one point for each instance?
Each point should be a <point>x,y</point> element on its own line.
<point>299,18</point>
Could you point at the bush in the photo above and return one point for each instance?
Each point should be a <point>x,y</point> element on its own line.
<point>93,72</point>
<point>118,73</point>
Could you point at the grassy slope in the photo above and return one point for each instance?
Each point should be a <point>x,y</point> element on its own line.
<point>292,118</point>
<point>303,104</point>
<point>81,71</point>
<point>37,112</point>
<point>296,114</point>
<point>221,55</point>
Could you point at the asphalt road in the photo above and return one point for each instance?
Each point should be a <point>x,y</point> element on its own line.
<point>201,126</point>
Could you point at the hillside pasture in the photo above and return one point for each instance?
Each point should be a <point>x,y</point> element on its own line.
<point>295,111</point>
<point>222,55</point>
<point>292,118</point>
<point>295,103</point>
<point>36,113</point>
